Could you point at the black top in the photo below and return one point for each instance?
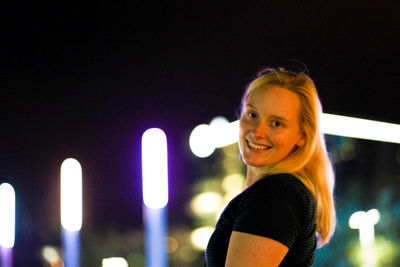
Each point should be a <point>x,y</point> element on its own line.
<point>278,207</point>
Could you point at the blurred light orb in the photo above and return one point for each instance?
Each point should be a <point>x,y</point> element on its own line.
<point>365,221</point>
<point>173,244</point>
<point>200,237</point>
<point>218,122</point>
<point>362,218</point>
<point>202,141</point>
<point>7,215</point>
<point>206,203</point>
<point>50,254</point>
<point>114,262</point>
<point>233,183</point>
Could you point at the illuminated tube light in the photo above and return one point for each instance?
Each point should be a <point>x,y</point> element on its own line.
<point>204,139</point>
<point>223,132</point>
<point>7,215</point>
<point>155,196</point>
<point>155,168</point>
<point>71,195</point>
<point>360,128</point>
<point>227,134</point>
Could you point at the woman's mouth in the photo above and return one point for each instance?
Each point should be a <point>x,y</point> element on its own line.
<point>257,146</point>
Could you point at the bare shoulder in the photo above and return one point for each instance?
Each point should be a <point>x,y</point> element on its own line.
<point>253,250</point>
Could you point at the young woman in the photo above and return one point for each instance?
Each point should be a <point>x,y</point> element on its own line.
<point>287,206</point>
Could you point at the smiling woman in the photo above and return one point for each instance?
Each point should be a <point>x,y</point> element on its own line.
<point>288,202</point>
<point>269,126</point>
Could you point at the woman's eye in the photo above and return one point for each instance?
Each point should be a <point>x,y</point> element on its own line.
<point>252,114</point>
<point>276,123</point>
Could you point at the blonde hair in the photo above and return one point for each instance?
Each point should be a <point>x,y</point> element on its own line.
<point>310,162</point>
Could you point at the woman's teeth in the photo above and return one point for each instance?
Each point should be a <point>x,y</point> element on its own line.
<point>256,146</point>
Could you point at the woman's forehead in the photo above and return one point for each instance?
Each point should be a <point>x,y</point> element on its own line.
<point>277,100</point>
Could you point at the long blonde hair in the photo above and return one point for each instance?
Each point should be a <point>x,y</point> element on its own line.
<point>310,162</point>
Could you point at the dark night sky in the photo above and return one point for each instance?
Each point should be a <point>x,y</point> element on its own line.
<point>86,81</point>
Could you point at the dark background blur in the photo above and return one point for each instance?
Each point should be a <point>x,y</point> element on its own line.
<point>86,80</point>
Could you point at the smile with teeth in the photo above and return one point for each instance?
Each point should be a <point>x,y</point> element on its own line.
<point>257,146</point>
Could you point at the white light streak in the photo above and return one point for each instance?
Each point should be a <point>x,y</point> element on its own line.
<point>71,195</point>
<point>155,168</point>
<point>7,215</point>
<point>360,128</point>
<point>204,138</point>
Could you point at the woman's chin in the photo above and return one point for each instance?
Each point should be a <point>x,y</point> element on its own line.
<point>256,163</point>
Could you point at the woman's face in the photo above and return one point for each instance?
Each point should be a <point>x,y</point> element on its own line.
<point>269,126</point>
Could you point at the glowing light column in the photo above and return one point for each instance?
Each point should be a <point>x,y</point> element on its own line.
<point>204,138</point>
<point>155,196</point>
<point>7,223</point>
<point>71,210</point>
<point>365,221</point>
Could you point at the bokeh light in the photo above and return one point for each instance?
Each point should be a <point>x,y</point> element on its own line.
<point>233,183</point>
<point>173,244</point>
<point>365,221</point>
<point>51,255</point>
<point>201,141</point>
<point>200,237</point>
<point>71,195</point>
<point>155,168</point>
<point>206,203</point>
<point>7,215</point>
<point>114,262</point>
<point>218,126</point>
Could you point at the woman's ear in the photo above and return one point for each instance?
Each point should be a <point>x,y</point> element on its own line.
<point>301,140</point>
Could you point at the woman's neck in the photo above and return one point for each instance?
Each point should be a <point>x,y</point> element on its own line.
<point>251,176</point>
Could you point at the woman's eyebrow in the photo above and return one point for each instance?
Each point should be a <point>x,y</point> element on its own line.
<point>279,118</point>
<point>272,116</point>
<point>250,105</point>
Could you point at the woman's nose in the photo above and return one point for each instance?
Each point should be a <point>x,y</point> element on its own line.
<point>260,130</point>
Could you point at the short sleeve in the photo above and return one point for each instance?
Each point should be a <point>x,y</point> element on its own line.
<point>274,207</point>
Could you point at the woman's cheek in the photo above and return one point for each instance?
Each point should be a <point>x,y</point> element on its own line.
<point>278,139</point>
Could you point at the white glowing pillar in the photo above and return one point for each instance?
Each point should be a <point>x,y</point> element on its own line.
<point>71,195</point>
<point>7,215</point>
<point>7,223</point>
<point>365,222</point>
<point>71,210</point>
<point>155,168</point>
<point>155,196</point>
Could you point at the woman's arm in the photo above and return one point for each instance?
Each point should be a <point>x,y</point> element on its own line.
<point>253,250</point>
